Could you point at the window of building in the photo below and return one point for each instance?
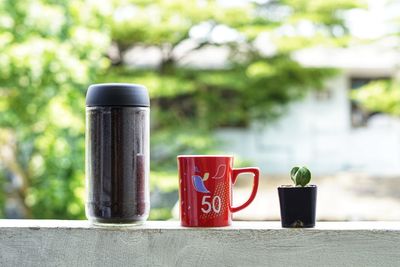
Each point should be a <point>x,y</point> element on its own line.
<point>359,115</point>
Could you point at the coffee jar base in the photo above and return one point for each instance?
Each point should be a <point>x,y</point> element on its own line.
<point>115,223</point>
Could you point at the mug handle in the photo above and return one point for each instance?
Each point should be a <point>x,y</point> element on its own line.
<point>256,174</point>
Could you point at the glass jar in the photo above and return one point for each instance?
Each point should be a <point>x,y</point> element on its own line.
<point>117,154</point>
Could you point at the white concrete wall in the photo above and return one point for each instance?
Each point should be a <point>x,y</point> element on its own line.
<point>318,133</point>
<point>76,243</point>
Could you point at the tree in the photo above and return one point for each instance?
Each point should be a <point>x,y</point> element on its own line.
<point>380,96</point>
<point>52,50</point>
<point>257,80</point>
<point>384,95</point>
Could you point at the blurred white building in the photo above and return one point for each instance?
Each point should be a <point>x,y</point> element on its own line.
<point>327,131</point>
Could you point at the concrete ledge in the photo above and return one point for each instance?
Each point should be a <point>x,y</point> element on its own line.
<point>77,243</point>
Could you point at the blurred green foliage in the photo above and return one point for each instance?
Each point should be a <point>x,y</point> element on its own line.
<point>379,96</point>
<point>52,50</point>
<point>383,95</point>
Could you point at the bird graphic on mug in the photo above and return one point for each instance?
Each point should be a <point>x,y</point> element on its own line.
<point>198,181</point>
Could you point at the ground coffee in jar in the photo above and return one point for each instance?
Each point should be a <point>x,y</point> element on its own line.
<point>117,153</point>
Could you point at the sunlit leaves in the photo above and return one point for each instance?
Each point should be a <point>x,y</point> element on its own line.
<point>50,51</point>
<point>49,24</point>
<point>260,69</point>
<point>379,96</point>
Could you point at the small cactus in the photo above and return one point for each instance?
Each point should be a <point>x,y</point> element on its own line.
<point>300,176</point>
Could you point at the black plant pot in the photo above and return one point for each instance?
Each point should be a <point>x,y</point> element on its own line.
<point>298,206</point>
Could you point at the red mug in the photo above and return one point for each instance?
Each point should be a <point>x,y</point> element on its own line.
<point>205,190</point>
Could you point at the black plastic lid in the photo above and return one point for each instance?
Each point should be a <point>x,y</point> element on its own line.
<point>117,94</point>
